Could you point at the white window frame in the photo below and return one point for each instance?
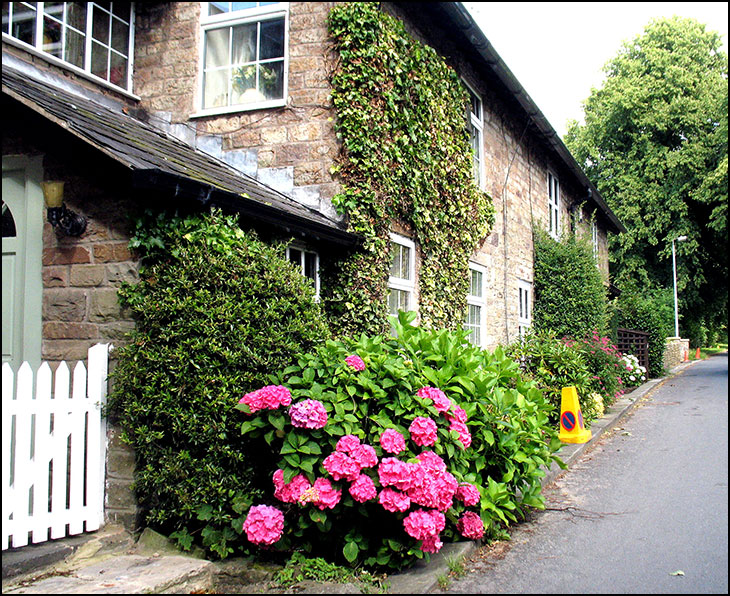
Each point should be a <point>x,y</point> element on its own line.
<point>476,123</point>
<point>302,265</point>
<point>594,240</point>
<point>401,284</point>
<point>479,302</point>
<point>231,19</point>
<point>37,48</point>
<point>553,184</point>
<point>524,306</point>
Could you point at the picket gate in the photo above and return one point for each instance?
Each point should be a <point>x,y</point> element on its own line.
<point>54,450</point>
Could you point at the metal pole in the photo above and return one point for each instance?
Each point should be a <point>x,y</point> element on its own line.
<point>676,312</point>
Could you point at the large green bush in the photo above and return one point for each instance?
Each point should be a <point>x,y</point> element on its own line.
<point>570,298</point>
<point>651,311</point>
<point>216,310</point>
<point>374,385</point>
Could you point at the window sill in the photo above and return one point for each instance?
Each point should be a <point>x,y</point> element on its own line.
<point>239,108</point>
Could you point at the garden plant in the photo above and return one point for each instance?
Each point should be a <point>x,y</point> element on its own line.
<point>389,447</point>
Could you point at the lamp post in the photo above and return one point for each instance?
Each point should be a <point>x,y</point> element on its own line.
<point>674,270</point>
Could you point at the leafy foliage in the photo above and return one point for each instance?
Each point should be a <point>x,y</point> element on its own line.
<point>406,157</point>
<point>655,143</point>
<point>651,311</point>
<point>216,310</point>
<point>570,299</point>
<point>507,419</point>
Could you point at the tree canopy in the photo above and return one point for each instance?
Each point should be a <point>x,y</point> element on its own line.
<point>655,143</point>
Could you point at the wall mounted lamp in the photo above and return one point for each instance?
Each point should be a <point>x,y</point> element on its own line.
<point>62,219</point>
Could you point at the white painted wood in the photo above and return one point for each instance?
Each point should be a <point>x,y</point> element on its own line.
<point>54,450</point>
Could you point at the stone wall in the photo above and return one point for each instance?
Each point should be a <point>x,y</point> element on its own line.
<point>676,351</point>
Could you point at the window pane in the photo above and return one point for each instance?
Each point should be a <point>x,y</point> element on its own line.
<point>54,8</point>
<point>99,58</point>
<point>310,265</point>
<point>76,15</point>
<point>243,5</point>
<point>75,47</point>
<point>216,48</point>
<point>215,89</point>
<point>100,27</point>
<point>295,257</point>
<point>52,37</point>
<point>24,17</point>
<point>118,72</point>
<point>271,80</point>
<point>244,43</point>
<point>120,36</point>
<point>272,39</point>
<point>123,10</point>
<point>476,284</point>
<point>8,223</point>
<point>215,8</point>
<point>397,300</point>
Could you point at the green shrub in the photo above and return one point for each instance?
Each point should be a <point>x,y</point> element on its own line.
<point>605,366</point>
<point>500,450</point>
<point>216,311</point>
<point>570,298</point>
<point>651,311</point>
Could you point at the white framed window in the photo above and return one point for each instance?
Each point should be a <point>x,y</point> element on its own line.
<point>553,205</point>
<point>475,127</point>
<point>244,56</point>
<point>308,263</point>
<point>594,240</point>
<point>402,279</point>
<point>474,320</point>
<point>524,307</point>
<point>95,39</point>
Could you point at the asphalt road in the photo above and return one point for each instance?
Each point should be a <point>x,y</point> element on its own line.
<point>642,512</point>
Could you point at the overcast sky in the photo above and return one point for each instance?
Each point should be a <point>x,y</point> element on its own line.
<point>557,49</point>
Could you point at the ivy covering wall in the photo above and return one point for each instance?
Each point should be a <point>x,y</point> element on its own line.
<point>401,118</point>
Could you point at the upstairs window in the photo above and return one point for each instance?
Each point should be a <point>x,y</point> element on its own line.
<point>244,55</point>
<point>475,305</point>
<point>402,280</point>
<point>524,313</point>
<point>553,206</point>
<point>308,264</point>
<point>475,127</point>
<point>95,38</point>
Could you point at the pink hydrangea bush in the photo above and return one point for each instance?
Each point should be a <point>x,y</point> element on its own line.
<point>384,461</point>
<point>267,398</point>
<point>264,524</point>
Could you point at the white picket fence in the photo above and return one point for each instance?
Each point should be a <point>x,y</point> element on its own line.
<point>54,450</point>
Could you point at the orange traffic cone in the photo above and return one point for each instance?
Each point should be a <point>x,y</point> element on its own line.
<point>686,355</point>
<point>572,429</point>
<point>697,354</point>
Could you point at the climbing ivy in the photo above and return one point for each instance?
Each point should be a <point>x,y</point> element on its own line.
<point>401,117</point>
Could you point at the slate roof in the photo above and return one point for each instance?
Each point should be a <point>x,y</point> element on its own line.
<point>159,160</point>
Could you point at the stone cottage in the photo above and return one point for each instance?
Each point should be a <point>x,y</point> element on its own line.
<point>229,104</point>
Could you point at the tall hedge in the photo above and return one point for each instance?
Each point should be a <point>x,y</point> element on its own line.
<point>570,298</point>
<point>217,310</point>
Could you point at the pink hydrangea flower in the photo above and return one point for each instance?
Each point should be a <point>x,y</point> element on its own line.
<point>468,494</point>
<point>347,443</point>
<point>328,497</point>
<point>292,491</point>
<point>438,397</point>
<point>394,500</point>
<point>431,544</point>
<point>423,431</point>
<point>435,488</point>
<point>355,362</point>
<point>392,441</point>
<point>363,489</point>
<point>470,525</point>
<point>430,460</point>
<point>264,524</point>
<point>421,524</point>
<point>309,413</point>
<point>458,413</point>
<point>364,455</point>
<point>397,473</point>
<point>341,466</point>
<point>464,434</point>
<point>267,398</point>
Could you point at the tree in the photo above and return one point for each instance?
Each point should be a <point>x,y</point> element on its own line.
<point>655,143</point>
